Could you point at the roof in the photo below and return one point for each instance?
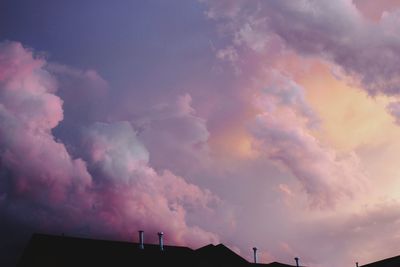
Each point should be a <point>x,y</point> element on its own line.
<point>389,262</point>
<point>278,264</point>
<point>219,255</point>
<point>62,251</point>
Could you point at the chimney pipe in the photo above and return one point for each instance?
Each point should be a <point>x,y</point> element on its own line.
<point>255,254</point>
<point>297,261</point>
<point>160,238</point>
<point>141,239</point>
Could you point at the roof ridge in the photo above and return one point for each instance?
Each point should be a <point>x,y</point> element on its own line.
<point>379,261</point>
<point>38,235</point>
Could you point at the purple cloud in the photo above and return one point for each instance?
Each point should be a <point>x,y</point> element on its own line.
<point>174,129</point>
<point>336,31</point>
<point>108,189</point>
<point>283,131</point>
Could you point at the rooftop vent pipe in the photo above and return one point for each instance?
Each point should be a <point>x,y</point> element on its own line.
<point>160,238</point>
<point>297,261</point>
<point>141,239</point>
<point>255,254</point>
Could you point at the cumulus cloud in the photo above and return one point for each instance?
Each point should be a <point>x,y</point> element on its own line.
<point>86,99</point>
<point>107,188</point>
<point>174,129</point>
<point>283,131</point>
<point>36,164</point>
<point>132,193</point>
<point>69,164</point>
<point>369,52</point>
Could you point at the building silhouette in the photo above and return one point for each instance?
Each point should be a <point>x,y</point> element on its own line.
<point>62,251</point>
<point>389,262</point>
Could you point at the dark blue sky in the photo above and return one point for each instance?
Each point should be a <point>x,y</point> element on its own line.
<point>125,41</point>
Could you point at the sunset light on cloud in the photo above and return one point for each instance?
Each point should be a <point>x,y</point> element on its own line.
<point>272,124</point>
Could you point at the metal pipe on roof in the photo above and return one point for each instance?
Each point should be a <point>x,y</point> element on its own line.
<point>255,254</point>
<point>141,239</point>
<point>161,241</point>
<point>297,261</point>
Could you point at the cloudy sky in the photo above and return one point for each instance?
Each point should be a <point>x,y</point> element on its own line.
<point>272,124</point>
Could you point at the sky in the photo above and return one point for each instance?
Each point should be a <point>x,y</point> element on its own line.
<point>268,124</point>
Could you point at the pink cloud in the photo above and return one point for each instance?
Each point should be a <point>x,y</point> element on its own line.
<point>375,9</point>
<point>28,111</point>
<point>133,193</point>
<point>110,190</point>
<point>175,129</point>
<point>366,51</point>
<point>283,131</point>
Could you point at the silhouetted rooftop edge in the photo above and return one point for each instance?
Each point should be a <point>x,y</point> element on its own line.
<point>388,262</point>
<point>50,250</point>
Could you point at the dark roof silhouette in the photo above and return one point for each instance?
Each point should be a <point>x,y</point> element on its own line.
<point>389,262</point>
<point>220,255</point>
<point>62,251</point>
<point>276,264</point>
